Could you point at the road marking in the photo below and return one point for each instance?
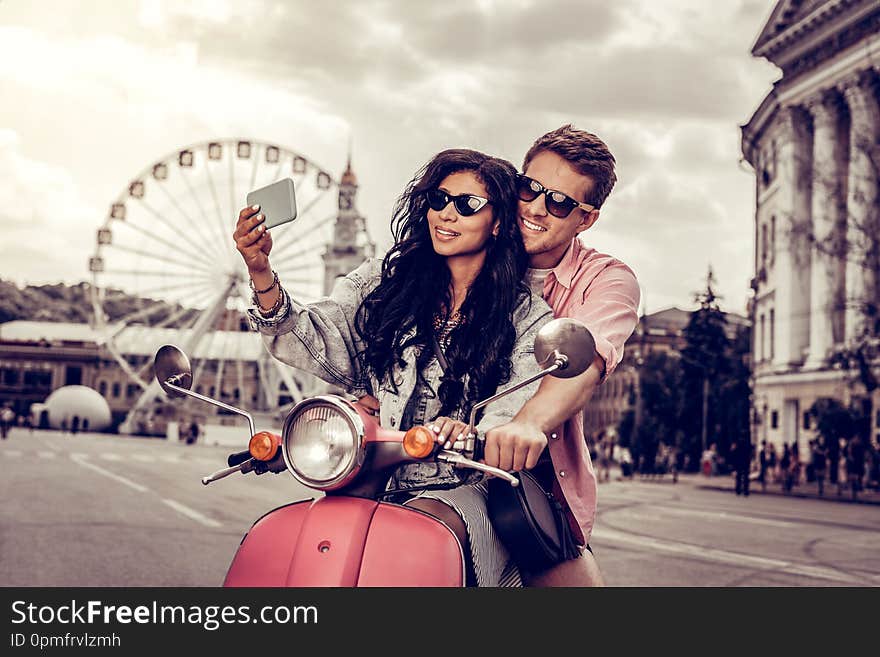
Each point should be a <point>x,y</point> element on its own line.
<point>143,458</point>
<point>12,452</point>
<point>111,457</point>
<point>51,446</point>
<point>191,513</point>
<point>45,454</point>
<point>81,460</point>
<point>732,558</point>
<point>708,515</point>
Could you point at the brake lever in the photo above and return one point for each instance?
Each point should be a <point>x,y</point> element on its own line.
<point>447,456</point>
<point>243,467</point>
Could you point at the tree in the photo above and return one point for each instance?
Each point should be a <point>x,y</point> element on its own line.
<point>834,420</point>
<point>662,401</point>
<point>715,379</point>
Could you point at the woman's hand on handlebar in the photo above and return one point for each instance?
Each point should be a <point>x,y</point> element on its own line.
<point>448,431</point>
<point>253,240</point>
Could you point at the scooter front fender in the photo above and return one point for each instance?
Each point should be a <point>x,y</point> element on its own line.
<point>346,542</point>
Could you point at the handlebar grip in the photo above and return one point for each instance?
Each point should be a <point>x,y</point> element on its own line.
<point>239,457</point>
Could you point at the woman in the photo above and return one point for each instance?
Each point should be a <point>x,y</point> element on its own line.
<point>440,323</point>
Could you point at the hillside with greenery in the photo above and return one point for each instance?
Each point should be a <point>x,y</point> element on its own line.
<point>72,303</point>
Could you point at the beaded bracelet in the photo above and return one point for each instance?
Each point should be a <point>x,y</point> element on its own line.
<point>275,306</point>
<point>256,291</point>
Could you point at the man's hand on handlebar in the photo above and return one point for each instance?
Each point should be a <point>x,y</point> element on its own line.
<point>514,446</point>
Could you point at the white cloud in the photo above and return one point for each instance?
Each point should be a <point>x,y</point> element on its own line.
<point>40,205</point>
<point>100,98</point>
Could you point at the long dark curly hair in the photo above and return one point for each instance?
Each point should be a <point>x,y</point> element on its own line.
<point>416,281</point>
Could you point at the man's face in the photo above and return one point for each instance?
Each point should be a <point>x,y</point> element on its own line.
<point>547,237</point>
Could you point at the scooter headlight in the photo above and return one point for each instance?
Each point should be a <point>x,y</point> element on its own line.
<point>323,442</point>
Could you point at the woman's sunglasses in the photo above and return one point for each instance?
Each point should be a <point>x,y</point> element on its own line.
<point>558,204</point>
<point>465,204</point>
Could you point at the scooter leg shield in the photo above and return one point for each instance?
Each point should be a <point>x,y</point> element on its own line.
<point>406,547</point>
<point>311,543</point>
<point>344,542</point>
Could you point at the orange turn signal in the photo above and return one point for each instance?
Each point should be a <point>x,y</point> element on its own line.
<point>419,442</point>
<point>264,445</point>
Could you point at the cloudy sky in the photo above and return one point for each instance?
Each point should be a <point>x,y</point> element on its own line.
<point>95,91</point>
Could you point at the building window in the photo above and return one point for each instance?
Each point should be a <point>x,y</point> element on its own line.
<point>806,419</point>
<point>761,339</point>
<point>765,246</point>
<point>772,332</point>
<point>772,239</point>
<point>8,377</point>
<point>102,388</point>
<point>116,390</point>
<point>73,375</point>
<point>131,390</point>
<point>774,419</point>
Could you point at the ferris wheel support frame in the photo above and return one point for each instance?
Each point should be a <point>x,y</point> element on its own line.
<point>198,331</point>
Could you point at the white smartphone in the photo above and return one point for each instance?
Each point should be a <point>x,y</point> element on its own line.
<point>277,202</point>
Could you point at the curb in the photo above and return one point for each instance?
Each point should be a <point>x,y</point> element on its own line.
<point>831,497</point>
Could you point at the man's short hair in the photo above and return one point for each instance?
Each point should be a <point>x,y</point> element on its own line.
<point>585,152</point>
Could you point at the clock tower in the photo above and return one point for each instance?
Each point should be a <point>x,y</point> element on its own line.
<point>350,246</point>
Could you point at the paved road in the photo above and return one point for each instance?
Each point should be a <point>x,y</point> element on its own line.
<point>699,533</point>
<point>100,510</point>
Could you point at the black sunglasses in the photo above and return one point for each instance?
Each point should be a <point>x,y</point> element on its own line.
<point>465,204</point>
<point>558,204</point>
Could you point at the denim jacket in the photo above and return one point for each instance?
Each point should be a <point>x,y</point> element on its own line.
<point>320,338</point>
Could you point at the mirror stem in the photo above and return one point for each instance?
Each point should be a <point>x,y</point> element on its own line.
<point>170,382</point>
<point>560,362</point>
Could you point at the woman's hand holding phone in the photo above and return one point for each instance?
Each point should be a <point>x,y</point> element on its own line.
<point>253,241</point>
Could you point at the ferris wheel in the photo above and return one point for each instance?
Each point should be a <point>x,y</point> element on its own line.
<point>165,267</point>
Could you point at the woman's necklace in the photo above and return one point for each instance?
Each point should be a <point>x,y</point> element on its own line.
<point>444,327</point>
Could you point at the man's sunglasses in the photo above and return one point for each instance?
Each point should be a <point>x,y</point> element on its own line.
<point>465,204</point>
<point>558,204</point>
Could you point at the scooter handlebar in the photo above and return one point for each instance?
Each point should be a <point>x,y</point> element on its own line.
<point>237,458</point>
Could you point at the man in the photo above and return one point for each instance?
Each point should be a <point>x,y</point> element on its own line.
<point>741,453</point>
<point>567,176</point>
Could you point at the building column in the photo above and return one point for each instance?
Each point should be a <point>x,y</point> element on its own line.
<point>830,156</point>
<point>863,224</point>
<point>794,224</point>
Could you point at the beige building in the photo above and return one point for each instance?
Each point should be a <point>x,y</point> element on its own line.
<point>810,143</point>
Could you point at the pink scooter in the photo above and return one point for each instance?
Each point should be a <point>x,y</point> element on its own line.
<point>351,536</point>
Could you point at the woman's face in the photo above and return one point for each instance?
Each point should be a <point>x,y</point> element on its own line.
<point>453,234</point>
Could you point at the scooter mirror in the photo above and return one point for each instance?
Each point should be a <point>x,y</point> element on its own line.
<point>570,338</point>
<point>172,366</point>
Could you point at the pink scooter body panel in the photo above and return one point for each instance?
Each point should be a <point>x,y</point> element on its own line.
<point>346,541</point>
<point>406,547</point>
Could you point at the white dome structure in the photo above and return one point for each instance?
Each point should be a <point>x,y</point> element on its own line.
<point>78,406</point>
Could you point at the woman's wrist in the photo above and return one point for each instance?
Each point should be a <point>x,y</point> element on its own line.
<point>262,280</point>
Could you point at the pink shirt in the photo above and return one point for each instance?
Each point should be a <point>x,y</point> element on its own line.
<point>603,293</point>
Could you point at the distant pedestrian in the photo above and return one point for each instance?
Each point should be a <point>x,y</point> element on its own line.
<point>606,452</point>
<point>764,467</point>
<point>819,461</point>
<point>785,468</point>
<point>833,449</point>
<point>7,419</point>
<point>855,464</point>
<point>192,434</point>
<point>741,455</point>
<point>795,464</point>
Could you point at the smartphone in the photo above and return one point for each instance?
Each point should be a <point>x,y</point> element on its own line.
<point>277,202</point>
